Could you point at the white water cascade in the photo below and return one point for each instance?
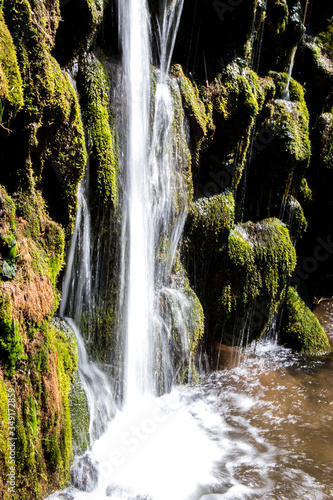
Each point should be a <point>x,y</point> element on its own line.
<point>76,299</point>
<point>135,457</point>
<point>156,201</point>
<point>135,42</point>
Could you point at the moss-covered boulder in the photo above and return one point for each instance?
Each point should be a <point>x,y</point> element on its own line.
<point>283,153</point>
<point>197,111</point>
<point>208,225</point>
<point>11,90</point>
<point>239,271</point>
<point>259,260</point>
<point>95,89</point>
<point>300,329</point>
<point>237,97</point>
<point>49,126</point>
<point>81,20</point>
<point>37,359</point>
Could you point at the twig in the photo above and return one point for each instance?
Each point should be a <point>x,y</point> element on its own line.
<point>6,129</point>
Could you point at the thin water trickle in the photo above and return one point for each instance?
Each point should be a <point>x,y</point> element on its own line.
<point>76,299</point>
<point>286,92</point>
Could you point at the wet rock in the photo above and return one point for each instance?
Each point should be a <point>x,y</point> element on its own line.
<point>114,490</point>
<point>84,474</point>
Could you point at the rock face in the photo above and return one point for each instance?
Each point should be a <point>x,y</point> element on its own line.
<point>254,85</point>
<point>84,474</point>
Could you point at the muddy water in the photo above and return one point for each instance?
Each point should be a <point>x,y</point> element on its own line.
<point>273,422</point>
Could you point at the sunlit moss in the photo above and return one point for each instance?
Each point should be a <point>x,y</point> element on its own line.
<point>300,329</point>
<point>11,90</point>
<point>94,85</point>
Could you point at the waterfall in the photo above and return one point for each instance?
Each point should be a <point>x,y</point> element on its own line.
<point>135,457</point>
<point>76,300</point>
<point>136,63</point>
<point>286,93</point>
<point>155,200</point>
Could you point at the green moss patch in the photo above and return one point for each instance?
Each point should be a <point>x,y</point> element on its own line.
<point>300,329</point>
<point>237,96</point>
<point>94,86</point>
<point>254,269</point>
<point>11,89</point>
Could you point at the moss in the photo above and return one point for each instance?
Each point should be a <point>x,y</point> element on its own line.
<point>325,39</point>
<point>53,143</point>
<point>47,238</point>
<point>94,85</point>
<point>210,220</point>
<point>8,213</point>
<point>322,60</point>
<point>66,356</point>
<point>281,159</point>
<point>79,416</point>
<point>42,419</point>
<point>39,359</point>
<point>260,258</point>
<point>11,346</point>
<point>290,121</point>
<point>297,221</point>
<point>305,193</point>
<point>300,329</point>
<point>199,115</point>
<point>325,129</point>
<point>11,90</point>
<point>237,97</point>
<point>268,248</point>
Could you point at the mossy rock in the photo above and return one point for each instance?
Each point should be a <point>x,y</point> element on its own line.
<point>290,122</point>
<point>259,260</point>
<point>94,87</point>
<point>50,129</point>
<point>237,95</point>
<point>197,111</point>
<point>11,89</point>
<point>207,228</point>
<point>210,220</point>
<point>325,132</point>
<point>281,159</point>
<point>300,329</point>
<point>81,20</point>
<point>42,417</point>
<point>79,412</point>
<point>297,221</point>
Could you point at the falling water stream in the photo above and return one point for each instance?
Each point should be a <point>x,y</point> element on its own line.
<point>260,426</point>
